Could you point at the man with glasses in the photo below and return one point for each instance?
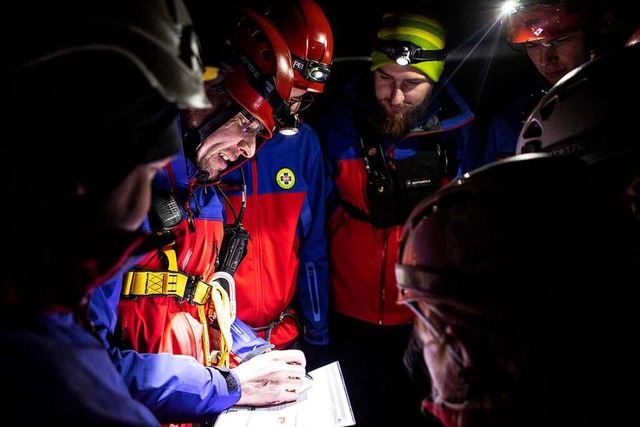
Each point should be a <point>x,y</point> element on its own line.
<point>557,37</point>
<point>171,335</point>
<point>505,329</point>
<point>396,132</point>
<point>283,283</point>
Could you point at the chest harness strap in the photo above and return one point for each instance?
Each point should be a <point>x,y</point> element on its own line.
<point>171,282</point>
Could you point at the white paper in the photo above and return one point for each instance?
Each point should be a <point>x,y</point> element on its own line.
<point>325,403</point>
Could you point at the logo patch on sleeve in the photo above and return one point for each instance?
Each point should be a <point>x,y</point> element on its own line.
<point>285,178</point>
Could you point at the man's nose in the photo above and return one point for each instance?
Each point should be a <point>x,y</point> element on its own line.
<point>397,95</point>
<point>247,146</point>
<point>547,54</point>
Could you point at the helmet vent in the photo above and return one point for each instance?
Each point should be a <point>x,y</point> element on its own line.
<point>547,109</point>
<point>532,147</point>
<point>532,131</point>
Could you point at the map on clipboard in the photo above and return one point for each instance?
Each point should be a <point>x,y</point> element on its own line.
<point>325,403</point>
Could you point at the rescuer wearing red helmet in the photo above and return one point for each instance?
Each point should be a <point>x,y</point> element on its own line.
<point>284,291</point>
<point>557,36</point>
<point>554,35</point>
<point>179,299</point>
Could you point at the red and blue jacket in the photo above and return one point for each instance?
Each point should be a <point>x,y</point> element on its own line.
<point>283,280</point>
<point>363,255</point>
<point>141,333</point>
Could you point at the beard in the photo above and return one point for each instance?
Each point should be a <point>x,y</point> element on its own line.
<point>396,125</point>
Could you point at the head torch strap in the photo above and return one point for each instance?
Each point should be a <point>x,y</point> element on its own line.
<point>410,52</point>
<point>266,86</point>
<point>194,137</point>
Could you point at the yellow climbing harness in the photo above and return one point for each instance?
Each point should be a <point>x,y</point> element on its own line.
<point>171,282</point>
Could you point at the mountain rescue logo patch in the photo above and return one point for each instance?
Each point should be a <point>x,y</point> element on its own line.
<point>285,178</point>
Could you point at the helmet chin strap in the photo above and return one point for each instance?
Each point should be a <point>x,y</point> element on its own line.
<point>194,137</point>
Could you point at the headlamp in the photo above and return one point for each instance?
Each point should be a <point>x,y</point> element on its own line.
<point>288,125</point>
<point>313,71</point>
<point>405,53</point>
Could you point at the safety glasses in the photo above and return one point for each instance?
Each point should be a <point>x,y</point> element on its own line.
<point>554,42</point>
<point>250,125</point>
<point>412,297</point>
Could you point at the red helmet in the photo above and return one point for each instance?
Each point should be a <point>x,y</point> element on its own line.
<point>308,34</point>
<point>545,21</point>
<point>633,38</point>
<point>262,83</point>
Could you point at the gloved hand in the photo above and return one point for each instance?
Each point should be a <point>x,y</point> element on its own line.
<point>246,344</point>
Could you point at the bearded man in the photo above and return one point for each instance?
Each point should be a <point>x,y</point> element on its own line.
<point>398,132</point>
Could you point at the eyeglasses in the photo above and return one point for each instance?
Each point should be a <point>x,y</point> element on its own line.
<point>249,124</point>
<point>405,53</point>
<point>410,296</point>
<point>313,71</point>
<point>552,43</point>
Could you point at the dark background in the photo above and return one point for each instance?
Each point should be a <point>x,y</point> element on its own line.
<point>484,69</point>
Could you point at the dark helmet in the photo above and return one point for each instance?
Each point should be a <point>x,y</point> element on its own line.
<point>308,34</point>
<point>89,91</point>
<point>591,113</point>
<point>262,83</point>
<point>471,224</point>
<point>544,19</point>
<point>494,266</point>
<point>157,37</point>
<point>106,75</point>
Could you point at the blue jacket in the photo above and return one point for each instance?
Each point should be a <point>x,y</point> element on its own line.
<point>174,387</point>
<point>505,125</point>
<point>56,369</point>
<point>286,265</point>
<point>57,373</point>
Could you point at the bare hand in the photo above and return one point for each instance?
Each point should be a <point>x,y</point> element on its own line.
<point>272,377</point>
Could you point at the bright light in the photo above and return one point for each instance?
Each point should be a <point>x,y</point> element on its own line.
<point>288,131</point>
<point>508,7</point>
<point>402,61</point>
